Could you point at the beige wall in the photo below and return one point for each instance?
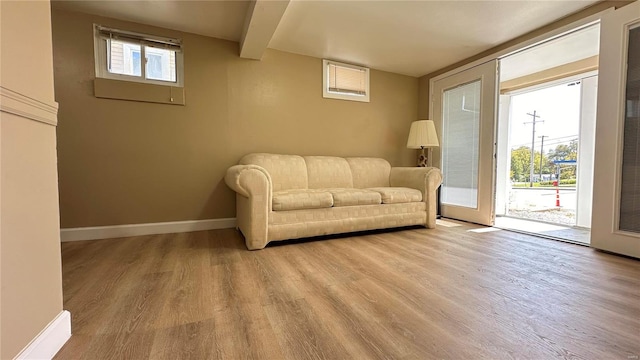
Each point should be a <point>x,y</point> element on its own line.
<point>30,268</point>
<point>424,103</point>
<point>27,56</point>
<point>125,162</point>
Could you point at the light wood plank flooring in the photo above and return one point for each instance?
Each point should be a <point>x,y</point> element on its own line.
<point>447,293</point>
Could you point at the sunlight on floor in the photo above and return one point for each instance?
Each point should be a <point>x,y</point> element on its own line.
<point>484,230</point>
<point>447,223</point>
<point>580,235</point>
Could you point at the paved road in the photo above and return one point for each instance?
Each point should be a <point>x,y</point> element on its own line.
<point>541,198</point>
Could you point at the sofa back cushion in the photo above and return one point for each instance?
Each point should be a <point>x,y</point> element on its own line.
<point>286,171</point>
<point>325,172</point>
<point>369,172</point>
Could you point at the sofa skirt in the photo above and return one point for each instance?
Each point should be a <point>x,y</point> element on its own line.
<point>284,225</point>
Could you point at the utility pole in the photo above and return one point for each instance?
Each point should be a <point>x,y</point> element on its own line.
<point>541,153</point>
<point>535,120</point>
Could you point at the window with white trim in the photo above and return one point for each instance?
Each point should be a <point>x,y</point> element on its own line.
<point>345,81</point>
<point>124,55</point>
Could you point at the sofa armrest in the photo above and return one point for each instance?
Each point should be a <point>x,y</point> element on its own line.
<point>248,180</point>
<point>425,179</point>
<point>253,188</point>
<point>421,178</point>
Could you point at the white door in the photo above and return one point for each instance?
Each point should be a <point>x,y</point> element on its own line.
<point>616,197</point>
<point>464,111</point>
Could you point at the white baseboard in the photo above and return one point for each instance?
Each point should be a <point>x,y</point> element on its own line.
<point>118,231</point>
<point>50,340</point>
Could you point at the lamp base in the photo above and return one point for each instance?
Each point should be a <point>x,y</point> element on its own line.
<point>422,159</point>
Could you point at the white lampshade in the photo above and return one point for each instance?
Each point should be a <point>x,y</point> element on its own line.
<point>422,134</point>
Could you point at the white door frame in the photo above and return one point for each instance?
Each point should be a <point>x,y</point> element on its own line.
<point>586,150</point>
<point>605,233</point>
<point>488,76</point>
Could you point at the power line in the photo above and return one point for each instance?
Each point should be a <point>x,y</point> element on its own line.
<point>548,143</point>
<point>551,139</point>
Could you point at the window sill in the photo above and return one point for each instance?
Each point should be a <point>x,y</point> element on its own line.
<point>339,96</point>
<point>135,91</point>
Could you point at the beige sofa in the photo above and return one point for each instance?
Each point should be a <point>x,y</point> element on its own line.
<point>281,197</point>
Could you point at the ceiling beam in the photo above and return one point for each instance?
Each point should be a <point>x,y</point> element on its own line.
<point>263,17</point>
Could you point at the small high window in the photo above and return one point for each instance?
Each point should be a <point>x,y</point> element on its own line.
<point>345,81</point>
<point>129,56</point>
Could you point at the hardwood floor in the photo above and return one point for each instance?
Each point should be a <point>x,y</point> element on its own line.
<point>447,293</point>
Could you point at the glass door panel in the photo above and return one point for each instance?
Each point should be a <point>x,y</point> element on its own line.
<point>460,140</point>
<point>630,192</point>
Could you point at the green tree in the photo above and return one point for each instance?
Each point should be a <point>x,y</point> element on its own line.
<point>520,163</point>
<point>546,169</point>
<point>565,152</point>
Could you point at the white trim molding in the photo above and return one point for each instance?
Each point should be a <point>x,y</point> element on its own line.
<point>118,231</point>
<point>26,107</point>
<point>50,340</point>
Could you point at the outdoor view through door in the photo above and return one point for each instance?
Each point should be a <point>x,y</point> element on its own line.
<point>546,137</point>
<point>549,158</point>
<point>543,182</point>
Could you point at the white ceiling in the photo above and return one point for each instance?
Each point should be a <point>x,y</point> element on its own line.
<point>407,37</point>
<point>220,19</point>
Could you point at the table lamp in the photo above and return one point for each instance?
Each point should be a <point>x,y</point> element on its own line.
<point>423,135</point>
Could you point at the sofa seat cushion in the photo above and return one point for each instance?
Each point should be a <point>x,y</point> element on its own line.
<point>397,195</point>
<point>354,197</point>
<point>299,199</point>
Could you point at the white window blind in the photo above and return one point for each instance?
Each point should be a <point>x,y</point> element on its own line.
<point>140,39</point>
<point>345,81</point>
<point>461,145</point>
<point>630,186</point>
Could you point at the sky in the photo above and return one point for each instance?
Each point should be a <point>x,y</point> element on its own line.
<point>558,106</point>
